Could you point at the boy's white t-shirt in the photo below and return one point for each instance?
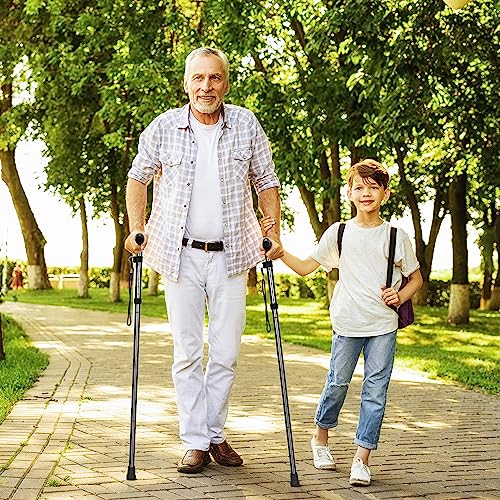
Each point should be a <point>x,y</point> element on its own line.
<point>357,308</point>
<point>204,220</point>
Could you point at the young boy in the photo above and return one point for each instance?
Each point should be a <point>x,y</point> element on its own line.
<point>362,320</point>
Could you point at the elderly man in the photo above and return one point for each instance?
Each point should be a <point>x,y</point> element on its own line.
<point>203,236</point>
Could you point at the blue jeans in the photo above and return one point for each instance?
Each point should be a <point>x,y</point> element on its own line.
<point>378,355</point>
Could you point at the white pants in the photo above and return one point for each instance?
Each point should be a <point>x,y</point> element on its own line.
<point>203,399</point>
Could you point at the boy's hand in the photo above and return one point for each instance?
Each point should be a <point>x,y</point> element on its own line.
<point>266,223</point>
<point>390,297</point>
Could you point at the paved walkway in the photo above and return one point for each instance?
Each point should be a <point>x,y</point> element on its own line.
<point>68,438</point>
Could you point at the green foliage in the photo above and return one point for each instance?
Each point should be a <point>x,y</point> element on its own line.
<point>99,277</point>
<point>314,286</point>
<point>408,82</point>
<point>439,293</point>
<point>21,368</point>
<point>104,70</point>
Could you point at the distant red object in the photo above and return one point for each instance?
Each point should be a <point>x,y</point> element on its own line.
<point>17,278</point>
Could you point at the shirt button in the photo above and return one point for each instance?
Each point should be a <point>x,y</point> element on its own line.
<point>189,184</point>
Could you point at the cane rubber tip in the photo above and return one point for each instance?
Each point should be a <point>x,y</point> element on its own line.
<point>266,244</point>
<point>294,480</point>
<point>131,474</point>
<point>139,238</point>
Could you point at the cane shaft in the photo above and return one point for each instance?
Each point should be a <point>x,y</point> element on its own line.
<point>137,260</point>
<point>281,366</point>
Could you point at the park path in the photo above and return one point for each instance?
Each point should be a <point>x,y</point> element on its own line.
<point>68,438</point>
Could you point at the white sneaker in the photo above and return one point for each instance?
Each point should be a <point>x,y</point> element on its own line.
<point>360,473</point>
<point>322,458</point>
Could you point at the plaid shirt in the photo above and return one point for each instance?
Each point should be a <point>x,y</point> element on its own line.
<point>167,152</point>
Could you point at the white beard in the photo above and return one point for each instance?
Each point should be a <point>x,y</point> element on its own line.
<point>207,109</point>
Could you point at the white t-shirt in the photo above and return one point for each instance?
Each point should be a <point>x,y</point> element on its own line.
<point>357,309</point>
<point>204,220</point>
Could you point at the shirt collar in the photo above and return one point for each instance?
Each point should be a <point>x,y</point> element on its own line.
<point>184,117</point>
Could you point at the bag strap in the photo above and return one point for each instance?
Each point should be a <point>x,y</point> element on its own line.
<point>340,235</point>
<point>390,259</point>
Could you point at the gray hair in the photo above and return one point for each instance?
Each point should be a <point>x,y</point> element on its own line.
<point>207,51</point>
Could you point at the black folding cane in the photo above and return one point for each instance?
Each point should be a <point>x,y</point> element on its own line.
<point>268,265</point>
<point>136,262</point>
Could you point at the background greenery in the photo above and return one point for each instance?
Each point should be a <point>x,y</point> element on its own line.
<point>294,286</point>
<point>409,82</point>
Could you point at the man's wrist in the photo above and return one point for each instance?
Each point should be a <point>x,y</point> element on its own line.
<point>274,236</point>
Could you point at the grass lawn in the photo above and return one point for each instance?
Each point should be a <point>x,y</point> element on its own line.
<point>469,354</point>
<point>21,367</point>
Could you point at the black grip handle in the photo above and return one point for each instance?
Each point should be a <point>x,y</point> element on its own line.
<point>266,244</point>
<point>139,238</point>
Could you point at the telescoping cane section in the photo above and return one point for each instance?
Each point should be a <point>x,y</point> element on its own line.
<point>268,265</point>
<point>136,270</point>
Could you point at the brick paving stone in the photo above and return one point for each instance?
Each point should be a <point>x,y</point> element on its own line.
<point>25,494</point>
<point>439,441</point>
<point>165,495</point>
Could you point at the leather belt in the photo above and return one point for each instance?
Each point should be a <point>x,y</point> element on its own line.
<point>208,246</point>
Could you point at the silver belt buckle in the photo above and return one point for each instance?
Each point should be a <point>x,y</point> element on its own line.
<point>206,246</point>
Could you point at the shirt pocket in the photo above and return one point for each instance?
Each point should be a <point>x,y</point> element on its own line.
<point>170,163</point>
<point>242,158</point>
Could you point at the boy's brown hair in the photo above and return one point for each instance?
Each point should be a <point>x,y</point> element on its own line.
<point>369,169</point>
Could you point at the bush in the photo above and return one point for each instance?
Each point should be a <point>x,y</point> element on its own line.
<point>99,277</point>
<point>439,293</point>
<point>314,286</point>
<point>303,287</point>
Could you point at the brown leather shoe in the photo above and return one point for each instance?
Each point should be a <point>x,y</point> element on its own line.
<point>194,461</point>
<point>223,454</point>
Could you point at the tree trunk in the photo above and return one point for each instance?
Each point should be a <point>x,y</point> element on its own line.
<point>487,240</point>
<point>331,280</point>
<point>494,304</point>
<point>458,311</point>
<point>154,279</point>
<point>33,237</point>
<point>118,250</point>
<point>424,251</point>
<point>83,284</point>
<point>2,351</point>
<point>420,298</point>
<point>252,280</point>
